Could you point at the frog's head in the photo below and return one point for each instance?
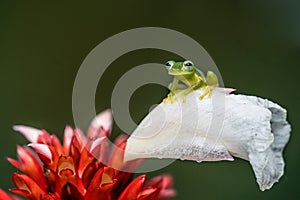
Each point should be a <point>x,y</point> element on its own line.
<point>180,68</point>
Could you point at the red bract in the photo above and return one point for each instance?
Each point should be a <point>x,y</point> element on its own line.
<point>81,168</point>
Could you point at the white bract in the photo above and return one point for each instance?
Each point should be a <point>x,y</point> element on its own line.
<point>216,128</point>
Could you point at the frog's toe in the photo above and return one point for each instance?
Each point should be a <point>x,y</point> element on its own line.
<point>166,99</point>
<point>170,98</point>
<point>203,96</point>
<point>206,92</point>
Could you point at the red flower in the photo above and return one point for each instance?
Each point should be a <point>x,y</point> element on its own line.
<point>81,168</point>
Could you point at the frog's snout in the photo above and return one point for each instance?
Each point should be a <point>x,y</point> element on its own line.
<point>174,72</point>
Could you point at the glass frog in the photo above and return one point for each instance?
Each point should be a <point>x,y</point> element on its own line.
<point>192,79</point>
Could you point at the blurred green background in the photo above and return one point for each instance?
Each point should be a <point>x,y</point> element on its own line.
<point>255,44</point>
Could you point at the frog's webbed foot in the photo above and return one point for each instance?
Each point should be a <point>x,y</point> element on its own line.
<point>171,97</point>
<point>207,91</point>
<point>176,95</point>
<point>180,96</point>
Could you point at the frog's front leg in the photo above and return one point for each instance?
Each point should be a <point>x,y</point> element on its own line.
<point>211,83</point>
<point>172,87</point>
<point>182,94</point>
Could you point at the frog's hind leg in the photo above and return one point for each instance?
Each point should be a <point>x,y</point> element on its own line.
<point>172,87</point>
<point>207,91</point>
<point>212,79</point>
<point>182,93</point>
<point>212,82</point>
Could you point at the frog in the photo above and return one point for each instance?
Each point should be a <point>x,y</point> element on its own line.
<point>187,78</point>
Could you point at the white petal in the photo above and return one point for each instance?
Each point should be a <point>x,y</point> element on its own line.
<point>96,143</point>
<point>31,134</point>
<point>213,129</point>
<point>68,135</point>
<point>42,149</point>
<point>268,165</point>
<point>200,149</point>
<point>104,120</point>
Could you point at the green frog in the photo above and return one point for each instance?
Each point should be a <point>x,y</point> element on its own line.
<point>192,79</point>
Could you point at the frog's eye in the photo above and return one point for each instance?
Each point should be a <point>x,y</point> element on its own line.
<point>188,65</point>
<point>169,64</point>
